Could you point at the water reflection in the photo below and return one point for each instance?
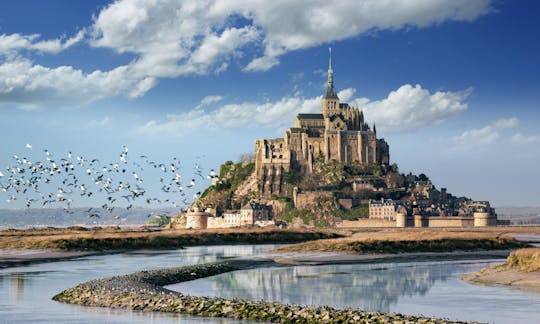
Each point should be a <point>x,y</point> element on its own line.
<point>430,288</point>
<point>369,287</point>
<point>27,290</point>
<point>17,284</point>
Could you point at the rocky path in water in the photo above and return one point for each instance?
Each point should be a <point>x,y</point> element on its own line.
<point>144,291</point>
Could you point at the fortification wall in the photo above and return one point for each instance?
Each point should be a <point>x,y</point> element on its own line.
<point>454,221</point>
<point>366,222</point>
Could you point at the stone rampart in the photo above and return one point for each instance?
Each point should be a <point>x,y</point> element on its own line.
<point>366,222</point>
<point>450,221</point>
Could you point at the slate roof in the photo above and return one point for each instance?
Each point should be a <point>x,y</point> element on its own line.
<point>310,116</point>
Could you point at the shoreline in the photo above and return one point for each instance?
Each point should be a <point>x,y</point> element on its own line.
<point>19,248</point>
<point>10,258</point>
<point>497,275</point>
<point>521,269</point>
<point>331,258</point>
<point>144,291</point>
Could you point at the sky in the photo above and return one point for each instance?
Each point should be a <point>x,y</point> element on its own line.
<point>452,85</point>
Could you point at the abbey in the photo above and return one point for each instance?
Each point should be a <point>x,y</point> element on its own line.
<point>338,133</point>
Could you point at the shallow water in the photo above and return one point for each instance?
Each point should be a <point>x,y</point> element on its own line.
<point>429,288</point>
<point>27,291</point>
<point>432,288</point>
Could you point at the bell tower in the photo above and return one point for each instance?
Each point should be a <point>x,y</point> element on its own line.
<point>330,100</point>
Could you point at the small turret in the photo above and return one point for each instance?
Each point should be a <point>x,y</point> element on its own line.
<point>374,129</point>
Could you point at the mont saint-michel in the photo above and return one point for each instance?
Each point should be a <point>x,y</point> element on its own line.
<point>252,161</point>
<point>330,169</point>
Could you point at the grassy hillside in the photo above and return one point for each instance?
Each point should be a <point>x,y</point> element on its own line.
<point>223,194</point>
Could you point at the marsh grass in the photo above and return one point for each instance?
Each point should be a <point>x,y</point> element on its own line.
<point>524,260</point>
<point>114,239</point>
<point>401,242</point>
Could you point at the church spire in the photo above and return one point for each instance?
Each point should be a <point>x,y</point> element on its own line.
<point>330,92</point>
<point>330,60</point>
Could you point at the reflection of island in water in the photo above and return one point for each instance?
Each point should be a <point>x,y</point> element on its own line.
<point>15,281</point>
<point>367,287</point>
<point>205,254</point>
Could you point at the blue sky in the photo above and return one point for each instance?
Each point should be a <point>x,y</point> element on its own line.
<point>453,85</point>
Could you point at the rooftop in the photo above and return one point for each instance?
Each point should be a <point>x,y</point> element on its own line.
<point>310,116</point>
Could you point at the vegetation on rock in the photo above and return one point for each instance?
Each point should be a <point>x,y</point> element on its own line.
<point>222,194</point>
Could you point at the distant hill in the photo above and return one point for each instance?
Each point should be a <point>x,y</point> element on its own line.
<point>57,217</point>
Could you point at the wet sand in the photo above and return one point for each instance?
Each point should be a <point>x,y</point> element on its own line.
<point>327,258</point>
<point>18,257</point>
<point>500,276</point>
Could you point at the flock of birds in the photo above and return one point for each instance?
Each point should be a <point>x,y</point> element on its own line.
<point>60,181</point>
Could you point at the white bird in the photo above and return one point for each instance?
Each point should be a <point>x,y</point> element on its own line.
<point>28,146</point>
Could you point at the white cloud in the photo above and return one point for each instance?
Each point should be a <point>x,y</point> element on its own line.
<point>208,100</point>
<point>293,25</point>
<point>233,116</point>
<point>483,136</point>
<point>519,138</point>
<point>172,38</point>
<point>33,86</point>
<point>11,44</point>
<point>104,122</point>
<point>411,107</point>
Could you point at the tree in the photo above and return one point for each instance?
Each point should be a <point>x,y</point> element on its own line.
<point>423,177</point>
<point>246,158</point>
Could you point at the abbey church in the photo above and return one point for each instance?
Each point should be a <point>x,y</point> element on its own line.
<point>338,133</point>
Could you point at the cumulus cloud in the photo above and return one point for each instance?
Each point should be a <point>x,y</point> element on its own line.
<point>11,44</point>
<point>404,109</point>
<point>293,25</point>
<point>409,108</point>
<point>233,116</point>
<point>33,86</point>
<point>483,136</point>
<point>172,38</point>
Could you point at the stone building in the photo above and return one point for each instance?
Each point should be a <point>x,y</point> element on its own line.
<point>382,209</point>
<point>338,133</point>
<point>252,213</point>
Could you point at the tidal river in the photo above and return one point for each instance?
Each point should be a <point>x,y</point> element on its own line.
<point>428,288</point>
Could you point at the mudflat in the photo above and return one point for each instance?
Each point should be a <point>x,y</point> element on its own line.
<point>522,268</point>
